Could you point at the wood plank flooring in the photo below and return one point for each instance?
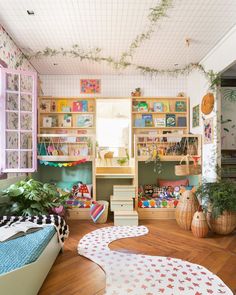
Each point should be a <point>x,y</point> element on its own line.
<point>72,274</point>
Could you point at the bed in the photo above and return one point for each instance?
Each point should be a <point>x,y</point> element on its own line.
<point>26,261</point>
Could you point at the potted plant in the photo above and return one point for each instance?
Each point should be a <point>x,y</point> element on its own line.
<point>31,197</point>
<point>219,200</point>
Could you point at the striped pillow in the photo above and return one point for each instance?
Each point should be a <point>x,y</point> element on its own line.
<point>96,211</point>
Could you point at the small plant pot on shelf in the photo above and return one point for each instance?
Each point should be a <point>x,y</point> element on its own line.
<point>224,224</point>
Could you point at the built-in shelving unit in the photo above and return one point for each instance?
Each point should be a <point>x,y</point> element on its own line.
<point>159,115</point>
<point>228,163</point>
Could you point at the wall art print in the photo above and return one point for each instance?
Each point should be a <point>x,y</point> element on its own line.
<point>90,86</point>
<point>208,131</point>
<point>196,115</point>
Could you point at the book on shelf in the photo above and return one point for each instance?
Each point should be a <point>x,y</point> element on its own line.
<point>148,120</point>
<point>45,106</point>
<point>80,106</point>
<point>170,120</point>
<point>53,106</point>
<point>18,229</point>
<point>66,109</point>
<point>139,123</point>
<point>181,121</point>
<point>166,106</point>
<point>159,122</point>
<point>61,104</point>
<point>85,121</point>
<point>135,106</point>
<point>67,121</point>
<point>142,106</point>
<point>180,106</point>
<point>47,121</point>
<point>158,107</point>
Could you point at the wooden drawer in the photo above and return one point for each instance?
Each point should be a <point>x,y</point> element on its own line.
<point>156,213</point>
<point>120,205</point>
<point>128,218</point>
<point>124,192</point>
<point>79,213</point>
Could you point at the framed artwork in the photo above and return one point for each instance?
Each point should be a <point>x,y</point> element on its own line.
<point>90,86</point>
<point>195,118</point>
<point>208,131</point>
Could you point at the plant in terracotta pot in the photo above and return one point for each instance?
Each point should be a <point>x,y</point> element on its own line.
<point>219,200</point>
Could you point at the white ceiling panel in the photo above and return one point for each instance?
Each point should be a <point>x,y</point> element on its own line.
<point>112,25</point>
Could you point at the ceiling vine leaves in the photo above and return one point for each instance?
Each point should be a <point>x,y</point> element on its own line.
<point>156,13</point>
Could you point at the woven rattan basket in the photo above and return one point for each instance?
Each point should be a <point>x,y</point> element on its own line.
<point>187,169</point>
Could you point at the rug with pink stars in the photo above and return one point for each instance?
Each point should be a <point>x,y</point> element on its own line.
<point>137,274</point>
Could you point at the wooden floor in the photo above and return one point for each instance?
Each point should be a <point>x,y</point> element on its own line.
<point>73,274</point>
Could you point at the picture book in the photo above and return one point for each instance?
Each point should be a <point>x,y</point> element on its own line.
<point>45,106</point>
<point>67,121</point>
<point>159,122</point>
<point>135,106</point>
<point>157,107</point>
<point>54,121</point>
<point>77,106</point>
<point>65,109</point>
<point>17,230</point>
<point>180,106</point>
<point>60,104</point>
<point>148,119</point>
<point>170,120</point>
<point>142,106</point>
<point>84,105</point>
<point>53,106</point>
<point>85,121</point>
<point>166,106</point>
<point>181,122</point>
<point>47,121</point>
<point>139,123</point>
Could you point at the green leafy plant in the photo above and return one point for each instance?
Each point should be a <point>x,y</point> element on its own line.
<point>220,195</point>
<point>31,197</point>
<point>122,161</point>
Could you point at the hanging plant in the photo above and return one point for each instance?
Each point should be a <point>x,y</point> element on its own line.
<point>155,159</point>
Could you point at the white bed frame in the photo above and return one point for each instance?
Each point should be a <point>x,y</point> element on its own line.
<point>28,279</point>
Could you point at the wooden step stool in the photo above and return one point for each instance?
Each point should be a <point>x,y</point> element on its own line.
<point>124,192</point>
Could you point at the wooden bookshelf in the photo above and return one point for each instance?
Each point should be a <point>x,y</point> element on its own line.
<point>159,109</point>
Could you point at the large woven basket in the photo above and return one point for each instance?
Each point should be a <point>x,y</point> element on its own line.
<point>187,169</point>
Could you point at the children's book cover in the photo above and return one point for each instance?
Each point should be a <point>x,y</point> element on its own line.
<point>181,122</point>
<point>180,106</point>
<point>157,107</point>
<point>148,119</point>
<point>170,120</point>
<point>166,106</point>
<point>77,106</point>
<point>142,106</point>
<point>159,122</point>
<point>45,106</point>
<point>61,104</point>
<point>47,121</point>
<point>84,105</point>
<point>67,122</point>
<point>85,121</point>
<point>139,123</point>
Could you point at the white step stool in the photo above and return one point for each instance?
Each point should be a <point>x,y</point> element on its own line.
<point>124,192</point>
<point>118,204</point>
<point>125,218</point>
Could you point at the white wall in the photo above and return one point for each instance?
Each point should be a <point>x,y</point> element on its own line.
<point>221,57</point>
<point>114,86</point>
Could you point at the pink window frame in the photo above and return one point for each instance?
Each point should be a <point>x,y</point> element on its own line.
<point>3,91</point>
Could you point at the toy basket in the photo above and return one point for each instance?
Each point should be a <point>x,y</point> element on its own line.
<point>187,169</point>
<point>103,217</point>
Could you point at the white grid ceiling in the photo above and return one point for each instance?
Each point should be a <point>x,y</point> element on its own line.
<point>112,25</point>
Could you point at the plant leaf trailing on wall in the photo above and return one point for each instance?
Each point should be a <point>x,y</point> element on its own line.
<point>156,13</point>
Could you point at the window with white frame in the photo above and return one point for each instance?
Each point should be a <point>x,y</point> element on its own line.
<point>18,121</point>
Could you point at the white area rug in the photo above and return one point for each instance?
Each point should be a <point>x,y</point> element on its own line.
<point>146,275</point>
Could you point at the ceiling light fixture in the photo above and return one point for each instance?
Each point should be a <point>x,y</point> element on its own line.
<point>55,64</point>
<point>30,12</point>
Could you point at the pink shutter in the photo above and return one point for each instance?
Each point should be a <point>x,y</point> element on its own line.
<point>18,127</point>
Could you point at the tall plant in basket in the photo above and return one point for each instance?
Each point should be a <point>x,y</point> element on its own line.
<point>219,201</point>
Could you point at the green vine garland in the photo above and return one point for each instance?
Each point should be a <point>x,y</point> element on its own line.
<point>156,13</point>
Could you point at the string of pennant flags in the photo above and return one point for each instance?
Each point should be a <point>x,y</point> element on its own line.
<point>62,164</point>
